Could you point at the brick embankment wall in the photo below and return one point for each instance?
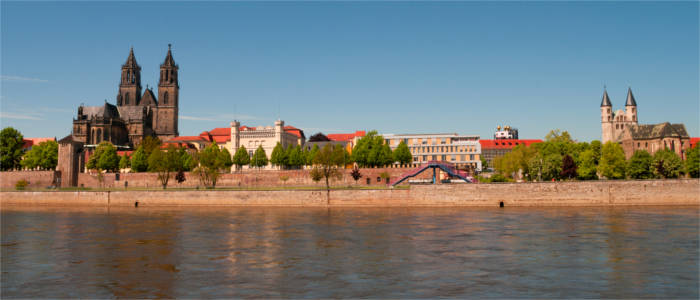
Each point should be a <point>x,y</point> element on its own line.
<point>36,179</point>
<point>594,193</point>
<point>248,178</point>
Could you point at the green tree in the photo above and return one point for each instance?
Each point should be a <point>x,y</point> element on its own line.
<point>259,158</point>
<point>666,164</point>
<point>241,158</point>
<point>402,154</point>
<point>186,160</point>
<point>588,165</point>
<point>124,162</point>
<point>692,162</point>
<point>139,160</point>
<point>546,167</point>
<point>11,142</point>
<point>295,157</point>
<point>311,155</point>
<point>370,151</point>
<point>104,158</point>
<point>639,165</point>
<point>278,156</point>
<point>612,163</point>
<point>328,161</point>
<point>164,163</point>
<point>43,156</point>
<point>210,164</point>
<point>150,143</point>
<point>225,158</point>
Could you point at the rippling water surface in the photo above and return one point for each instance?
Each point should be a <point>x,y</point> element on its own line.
<point>228,252</point>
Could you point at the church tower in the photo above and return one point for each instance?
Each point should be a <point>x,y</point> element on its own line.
<point>606,118</point>
<point>631,108</point>
<point>165,124</point>
<point>130,84</point>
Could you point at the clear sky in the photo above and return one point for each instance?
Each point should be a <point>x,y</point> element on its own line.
<point>397,67</point>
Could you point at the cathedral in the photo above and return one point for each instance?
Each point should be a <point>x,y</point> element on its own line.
<point>137,114</point>
<point>623,127</point>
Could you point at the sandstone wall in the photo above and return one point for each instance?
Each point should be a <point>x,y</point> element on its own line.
<point>247,178</point>
<point>36,179</point>
<point>594,193</point>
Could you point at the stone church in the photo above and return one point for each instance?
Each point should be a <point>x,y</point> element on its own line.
<point>622,127</point>
<point>138,113</point>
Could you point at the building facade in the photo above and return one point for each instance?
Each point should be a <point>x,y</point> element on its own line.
<point>136,114</point>
<point>622,127</point>
<point>464,151</point>
<point>491,149</point>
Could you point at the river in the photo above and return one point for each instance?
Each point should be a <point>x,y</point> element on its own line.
<point>227,252</point>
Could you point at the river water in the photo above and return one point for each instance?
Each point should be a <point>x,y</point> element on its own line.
<point>224,252</point>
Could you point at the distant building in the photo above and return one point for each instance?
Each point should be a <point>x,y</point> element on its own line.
<point>490,149</point>
<point>30,142</point>
<point>507,133</point>
<point>464,151</point>
<point>350,139</point>
<point>622,127</point>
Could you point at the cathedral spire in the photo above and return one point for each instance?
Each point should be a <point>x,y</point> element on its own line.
<point>606,99</point>
<point>131,60</point>
<point>169,61</point>
<point>630,98</point>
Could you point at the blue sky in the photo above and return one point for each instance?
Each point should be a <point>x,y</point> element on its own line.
<point>397,67</point>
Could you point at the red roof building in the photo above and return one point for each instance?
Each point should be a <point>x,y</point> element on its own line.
<point>694,141</point>
<point>29,142</point>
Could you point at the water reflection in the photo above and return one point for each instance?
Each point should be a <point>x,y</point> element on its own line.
<point>365,252</point>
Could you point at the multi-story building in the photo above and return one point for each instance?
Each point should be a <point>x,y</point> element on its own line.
<point>462,150</point>
<point>491,149</point>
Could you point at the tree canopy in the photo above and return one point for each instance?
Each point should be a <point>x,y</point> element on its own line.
<point>402,154</point>
<point>692,162</point>
<point>259,159</point>
<point>241,158</point>
<point>666,164</point>
<point>43,156</point>
<point>11,142</point>
<point>139,160</point>
<point>639,165</point>
<point>612,163</point>
<point>104,158</point>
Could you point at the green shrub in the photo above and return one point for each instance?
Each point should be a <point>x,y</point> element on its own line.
<point>21,184</point>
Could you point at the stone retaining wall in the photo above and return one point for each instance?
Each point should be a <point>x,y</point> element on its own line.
<point>36,179</point>
<point>590,193</point>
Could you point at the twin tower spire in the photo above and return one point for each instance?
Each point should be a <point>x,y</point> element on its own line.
<point>130,83</point>
<point>630,99</point>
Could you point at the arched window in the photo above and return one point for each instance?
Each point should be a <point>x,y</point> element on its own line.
<point>673,146</point>
<point>98,136</point>
<point>165,98</point>
<point>170,77</point>
<point>126,99</point>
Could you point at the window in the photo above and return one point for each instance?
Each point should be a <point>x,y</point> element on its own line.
<point>443,157</point>
<point>454,157</point>
<point>471,156</point>
<point>165,98</point>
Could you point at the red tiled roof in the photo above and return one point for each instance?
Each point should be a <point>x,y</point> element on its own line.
<point>192,138</point>
<point>29,142</point>
<point>345,137</point>
<point>220,131</point>
<point>293,130</point>
<point>505,144</point>
<point>694,141</point>
<point>127,152</point>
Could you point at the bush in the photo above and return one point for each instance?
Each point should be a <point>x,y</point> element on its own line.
<point>21,184</point>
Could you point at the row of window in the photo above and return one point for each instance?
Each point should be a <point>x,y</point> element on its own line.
<point>432,149</point>
<point>453,157</point>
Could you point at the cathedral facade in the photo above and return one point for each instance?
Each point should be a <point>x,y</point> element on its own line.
<point>622,127</point>
<point>137,114</point>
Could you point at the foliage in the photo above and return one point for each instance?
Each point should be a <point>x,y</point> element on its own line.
<point>180,177</point>
<point>311,155</point>
<point>259,158</point>
<point>284,178</point>
<point>371,151</point>
<point>225,158</point>
<point>518,159</point>
<point>639,165</point>
<point>241,158</point>
<point>356,175</point>
<point>568,167</point>
<point>666,164</point>
<point>210,163</point>
<point>187,163</point>
<point>21,184</point>
<point>104,158</point>
<point>384,175</point>
<point>316,174</point>
<point>164,162</point>
<point>692,162</point>
<point>11,142</point>
<point>319,137</point>
<point>327,162</point>
<point>612,161</point>
<point>484,164</point>
<point>295,157</point>
<point>43,156</point>
<point>587,165</point>
<point>150,144</point>
<point>402,154</point>
<point>124,162</point>
<point>139,160</point>
<point>546,167</point>
<point>278,156</point>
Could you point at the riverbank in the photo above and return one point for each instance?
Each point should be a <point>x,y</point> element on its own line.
<point>577,193</point>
